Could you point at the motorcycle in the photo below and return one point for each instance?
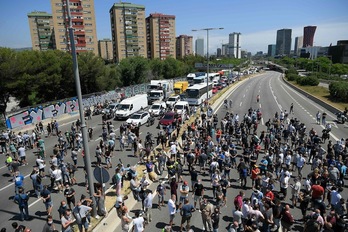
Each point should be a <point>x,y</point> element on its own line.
<point>150,121</point>
<point>341,117</point>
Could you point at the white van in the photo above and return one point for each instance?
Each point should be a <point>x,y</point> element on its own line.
<point>172,100</point>
<point>157,107</point>
<point>182,107</point>
<point>131,105</point>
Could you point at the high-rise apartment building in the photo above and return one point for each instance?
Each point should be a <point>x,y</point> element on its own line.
<point>283,42</point>
<point>41,30</point>
<point>83,22</point>
<point>128,30</point>
<point>298,45</point>
<point>161,38</point>
<point>308,36</point>
<point>199,47</point>
<point>183,46</point>
<point>105,49</point>
<point>271,50</point>
<point>234,46</point>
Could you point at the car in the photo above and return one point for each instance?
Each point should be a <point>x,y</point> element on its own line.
<point>167,118</point>
<point>172,100</point>
<point>138,119</point>
<point>215,90</point>
<point>219,86</point>
<point>157,108</point>
<point>110,108</point>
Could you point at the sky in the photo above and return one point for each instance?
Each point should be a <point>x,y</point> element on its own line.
<point>256,20</point>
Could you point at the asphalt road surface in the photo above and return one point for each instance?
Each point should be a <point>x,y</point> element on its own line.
<point>275,96</point>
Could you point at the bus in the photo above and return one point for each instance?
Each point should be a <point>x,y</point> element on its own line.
<point>197,94</point>
<point>191,76</point>
<point>213,77</point>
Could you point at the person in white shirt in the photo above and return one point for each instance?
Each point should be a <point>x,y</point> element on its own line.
<point>172,209</point>
<point>284,183</point>
<point>41,164</point>
<point>148,205</point>
<point>57,174</point>
<point>139,223</point>
<point>173,150</point>
<point>335,197</point>
<point>295,191</point>
<point>300,163</point>
<point>22,155</point>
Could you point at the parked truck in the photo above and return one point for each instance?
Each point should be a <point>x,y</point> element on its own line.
<point>180,87</point>
<point>131,105</point>
<point>160,84</point>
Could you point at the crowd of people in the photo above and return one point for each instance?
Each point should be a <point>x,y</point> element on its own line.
<point>272,158</point>
<point>53,175</point>
<point>269,160</point>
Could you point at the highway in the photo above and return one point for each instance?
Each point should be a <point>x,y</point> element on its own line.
<point>275,96</point>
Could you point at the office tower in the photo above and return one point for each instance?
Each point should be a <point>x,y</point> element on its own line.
<point>41,30</point>
<point>83,22</point>
<point>234,46</point>
<point>128,29</point>
<point>308,35</point>
<point>160,33</point>
<point>105,49</point>
<point>218,52</point>
<point>183,46</point>
<point>283,43</point>
<point>298,45</point>
<point>199,47</point>
<point>271,50</point>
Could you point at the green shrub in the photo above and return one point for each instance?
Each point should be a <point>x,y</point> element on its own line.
<point>339,91</point>
<point>310,80</point>
<point>291,77</point>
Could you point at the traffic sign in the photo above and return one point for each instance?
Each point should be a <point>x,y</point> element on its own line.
<point>201,65</point>
<point>101,175</point>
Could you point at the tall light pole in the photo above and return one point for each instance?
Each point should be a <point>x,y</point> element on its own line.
<point>208,29</point>
<point>86,157</point>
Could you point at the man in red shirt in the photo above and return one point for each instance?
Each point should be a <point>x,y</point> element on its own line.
<point>317,192</point>
<point>254,173</point>
<point>269,194</point>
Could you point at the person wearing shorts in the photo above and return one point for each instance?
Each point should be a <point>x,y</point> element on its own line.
<point>172,209</point>
<point>198,191</point>
<point>186,214</point>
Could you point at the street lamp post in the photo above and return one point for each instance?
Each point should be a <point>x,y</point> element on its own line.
<point>208,29</point>
<point>86,157</point>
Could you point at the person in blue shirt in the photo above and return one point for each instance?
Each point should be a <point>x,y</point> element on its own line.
<point>22,200</point>
<point>263,165</point>
<point>18,181</point>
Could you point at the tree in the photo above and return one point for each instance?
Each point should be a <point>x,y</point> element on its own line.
<point>8,69</point>
<point>133,70</point>
<point>156,67</point>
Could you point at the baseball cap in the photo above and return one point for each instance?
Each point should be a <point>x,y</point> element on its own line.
<point>185,183</point>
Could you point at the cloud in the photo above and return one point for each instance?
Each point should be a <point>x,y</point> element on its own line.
<point>258,41</point>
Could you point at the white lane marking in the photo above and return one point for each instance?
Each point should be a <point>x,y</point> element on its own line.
<point>262,121</point>
<point>275,98</point>
<point>3,188</point>
<point>260,106</point>
<point>100,138</point>
<point>35,202</point>
<point>243,95</point>
<point>315,105</point>
<point>240,103</point>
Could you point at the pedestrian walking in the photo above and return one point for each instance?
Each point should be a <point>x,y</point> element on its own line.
<point>139,223</point>
<point>80,213</point>
<point>172,209</point>
<point>49,226</point>
<point>186,213</point>
<point>21,199</point>
<point>207,210</point>
<point>47,200</point>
